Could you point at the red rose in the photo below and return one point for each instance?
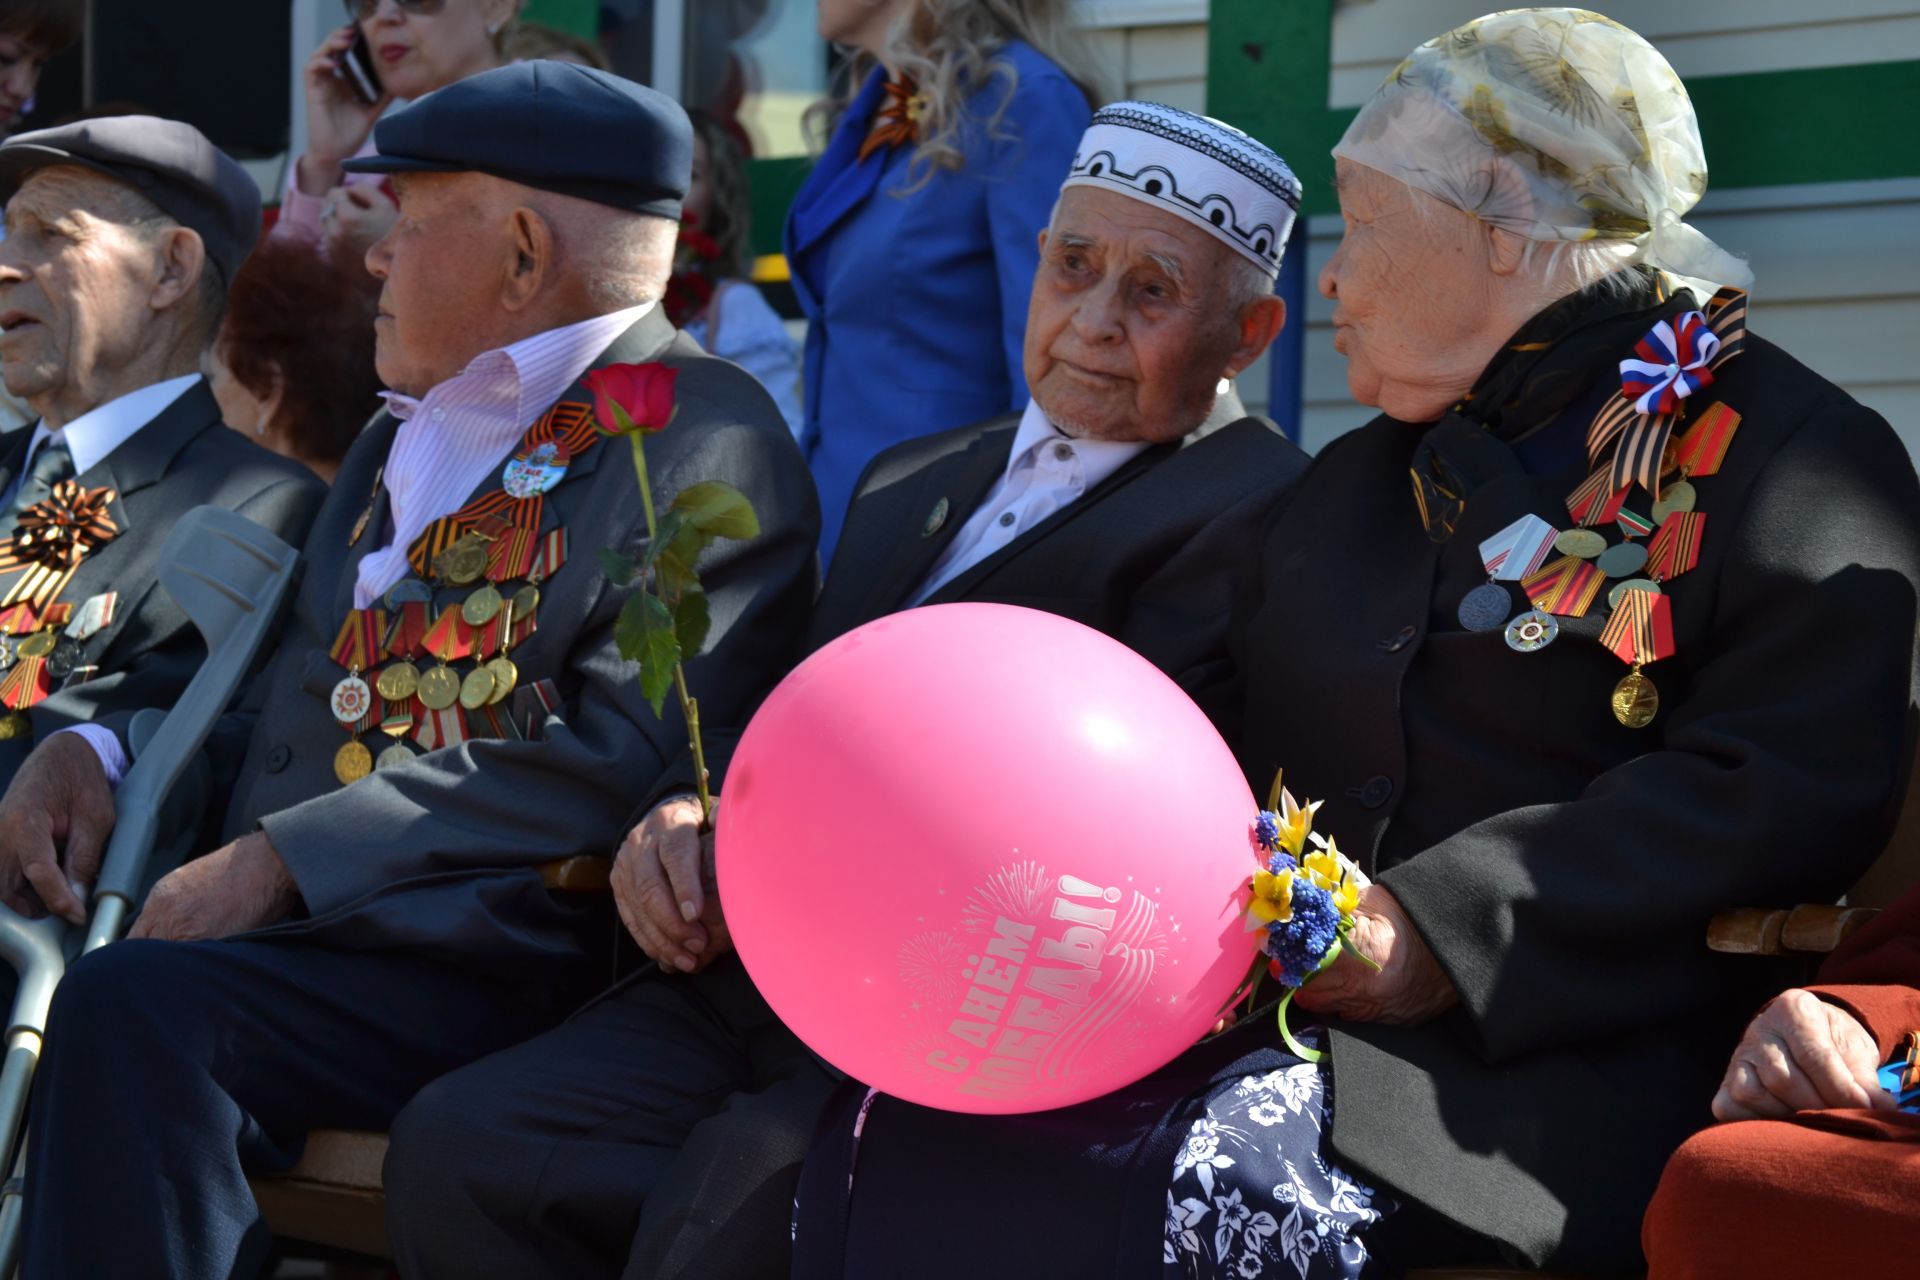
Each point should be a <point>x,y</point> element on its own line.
<point>643,391</point>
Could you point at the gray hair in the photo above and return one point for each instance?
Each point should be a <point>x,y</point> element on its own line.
<point>621,259</point>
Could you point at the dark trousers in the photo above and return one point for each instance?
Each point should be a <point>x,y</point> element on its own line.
<point>172,1070</point>
<point>657,1133</point>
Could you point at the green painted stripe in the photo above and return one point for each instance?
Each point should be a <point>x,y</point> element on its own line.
<point>581,17</point>
<point>1268,69</point>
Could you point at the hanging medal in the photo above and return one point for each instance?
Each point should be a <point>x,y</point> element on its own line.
<point>352,701</point>
<point>1626,558</point>
<point>1676,548</point>
<point>447,640</point>
<point>1509,556</point>
<point>1640,632</point>
<point>1566,586</point>
<point>396,724</point>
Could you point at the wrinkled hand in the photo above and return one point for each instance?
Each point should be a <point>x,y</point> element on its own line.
<point>1410,987</point>
<point>54,824</point>
<point>353,219</point>
<point>1801,1054</point>
<point>664,887</point>
<point>337,121</point>
<point>233,889</point>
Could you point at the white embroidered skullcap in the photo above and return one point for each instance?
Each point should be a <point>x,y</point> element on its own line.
<point>1231,186</point>
<point>1555,124</point>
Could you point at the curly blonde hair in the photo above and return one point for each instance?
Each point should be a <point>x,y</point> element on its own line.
<point>949,49</point>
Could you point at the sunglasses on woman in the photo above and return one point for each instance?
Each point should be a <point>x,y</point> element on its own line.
<point>361,10</point>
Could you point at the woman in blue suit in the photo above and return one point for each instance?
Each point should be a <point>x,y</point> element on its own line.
<point>913,244</point>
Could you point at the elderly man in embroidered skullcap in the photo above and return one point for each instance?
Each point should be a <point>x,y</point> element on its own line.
<point>1637,644</point>
<point>669,1119</point>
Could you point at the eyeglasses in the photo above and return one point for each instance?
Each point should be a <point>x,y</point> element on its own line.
<point>361,10</point>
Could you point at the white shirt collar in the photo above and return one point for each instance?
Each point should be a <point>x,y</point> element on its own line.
<point>102,429</point>
<point>1096,459</point>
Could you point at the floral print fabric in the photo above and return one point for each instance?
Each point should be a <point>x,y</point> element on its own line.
<point>1254,1193</point>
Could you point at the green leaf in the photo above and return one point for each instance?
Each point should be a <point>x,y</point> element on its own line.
<point>691,622</point>
<point>645,635</point>
<point>719,510</point>
<point>618,568</point>
<point>671,526</point>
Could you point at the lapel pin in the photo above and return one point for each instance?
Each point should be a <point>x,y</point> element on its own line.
<point>935,519</point>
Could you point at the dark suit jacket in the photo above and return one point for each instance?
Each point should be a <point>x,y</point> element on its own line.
<point>1154,556</point>
<point>440,856</point>
<point>182,459</point>
<point>1563,867</point>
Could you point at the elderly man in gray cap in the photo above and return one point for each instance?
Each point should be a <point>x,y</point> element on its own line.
<point>396,920</point>
<point>122,235</point>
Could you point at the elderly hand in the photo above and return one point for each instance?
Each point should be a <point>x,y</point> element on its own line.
<point>1801,1054</point>
<point>338,122</point>
<point>54,824</point>
<point>353,219</point>
<point>664,887</point>
<point>240,887</point>
<point>1408,989</point>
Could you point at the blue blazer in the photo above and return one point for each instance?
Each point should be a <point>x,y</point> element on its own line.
<point>917,303</point>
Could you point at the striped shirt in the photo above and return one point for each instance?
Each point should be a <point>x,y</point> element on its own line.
<point>456,436</point>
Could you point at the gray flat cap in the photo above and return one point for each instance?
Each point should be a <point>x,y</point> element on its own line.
<point>170,163</point>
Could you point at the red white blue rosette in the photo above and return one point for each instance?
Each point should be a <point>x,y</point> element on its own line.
<point>1670,363</point>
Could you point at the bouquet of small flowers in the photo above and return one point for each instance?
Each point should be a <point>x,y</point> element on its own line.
<point>1303,898</point>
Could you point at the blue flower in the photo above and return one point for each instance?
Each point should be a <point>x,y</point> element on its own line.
<point>1266,830</point>
<point>1301,942</point>
<point>1281,862</point>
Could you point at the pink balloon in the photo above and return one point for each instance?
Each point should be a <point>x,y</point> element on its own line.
<point>987,859</point>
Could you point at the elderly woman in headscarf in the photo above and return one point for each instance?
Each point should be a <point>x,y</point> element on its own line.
<point>1605,623</point>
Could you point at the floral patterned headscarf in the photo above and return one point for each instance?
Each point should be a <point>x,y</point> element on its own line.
<point>1555,124</point>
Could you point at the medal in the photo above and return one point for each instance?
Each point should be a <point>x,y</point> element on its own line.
<point>1623,560</point>
<point>1532,631</point>
<point>1676,497</point>
<point>408,591</point>
<point>93,614</point>
<point>351,700</point>
<point>1640,631</point>
<point>462,563</point>
<point>439,687</point>
<point>64,658</point>
<point>397,681</point>
<point>1566,587</point>
<point>14,725</point>
<point>1631,584</point>
<point>366,514</point>
<point>37,645</point>
<point>1596,500</point>
<point>1486,608</point>
<point>536,470</point>
<point>1583,543</point>
<point>6,652</point>
<point>476,689</point>
<point>397,752</point>
<point>505,676</point>
<point>394,757</point>
<point>482,607</point>
<point>1635,701</point>
<point>352,762</point>
<point>1676,548</point>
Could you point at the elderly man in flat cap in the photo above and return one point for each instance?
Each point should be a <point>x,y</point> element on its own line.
<point>660,1131</point>
<point>122,236</point>
<point>397,924</point>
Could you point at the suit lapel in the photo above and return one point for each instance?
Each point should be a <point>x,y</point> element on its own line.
<point>13,452</point>
<point>841,182</point>
<point>143,457</point>
<point>1132,469</point>
<point>962,481</point>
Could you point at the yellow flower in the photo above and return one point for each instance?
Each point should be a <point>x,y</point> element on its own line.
<point>1347,897</point>
<point>1323,868</point>
<point>1296,823</point>
<point>1272,896</point>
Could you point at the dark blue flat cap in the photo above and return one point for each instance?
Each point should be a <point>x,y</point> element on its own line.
<point>169,162</point>
<point>553,126</point>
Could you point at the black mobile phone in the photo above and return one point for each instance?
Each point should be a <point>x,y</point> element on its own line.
<point>357,66</point>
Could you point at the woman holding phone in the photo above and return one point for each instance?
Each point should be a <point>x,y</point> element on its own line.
<point>409,47</point>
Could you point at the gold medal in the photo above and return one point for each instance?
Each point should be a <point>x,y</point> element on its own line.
<point>38,645</point>
<point>397,681</point>
<point>1584,543</point>
<point>525,601</point>
<point>439,688</point>
<point>505,677</point>
<point>476,688</point>
<point>1635,701</point>
<point>465,561</point>
<point>482,607</point>
<point>1678,496</point>
<point>14,725</point>
<point>352,762</point>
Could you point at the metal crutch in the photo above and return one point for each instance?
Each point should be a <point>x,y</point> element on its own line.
<point>228,575</point>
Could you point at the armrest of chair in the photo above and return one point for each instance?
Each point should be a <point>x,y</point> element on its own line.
<point>1811,928</point>
<point>578,875</point>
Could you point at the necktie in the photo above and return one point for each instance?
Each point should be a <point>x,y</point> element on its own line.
<point>52,463</point>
